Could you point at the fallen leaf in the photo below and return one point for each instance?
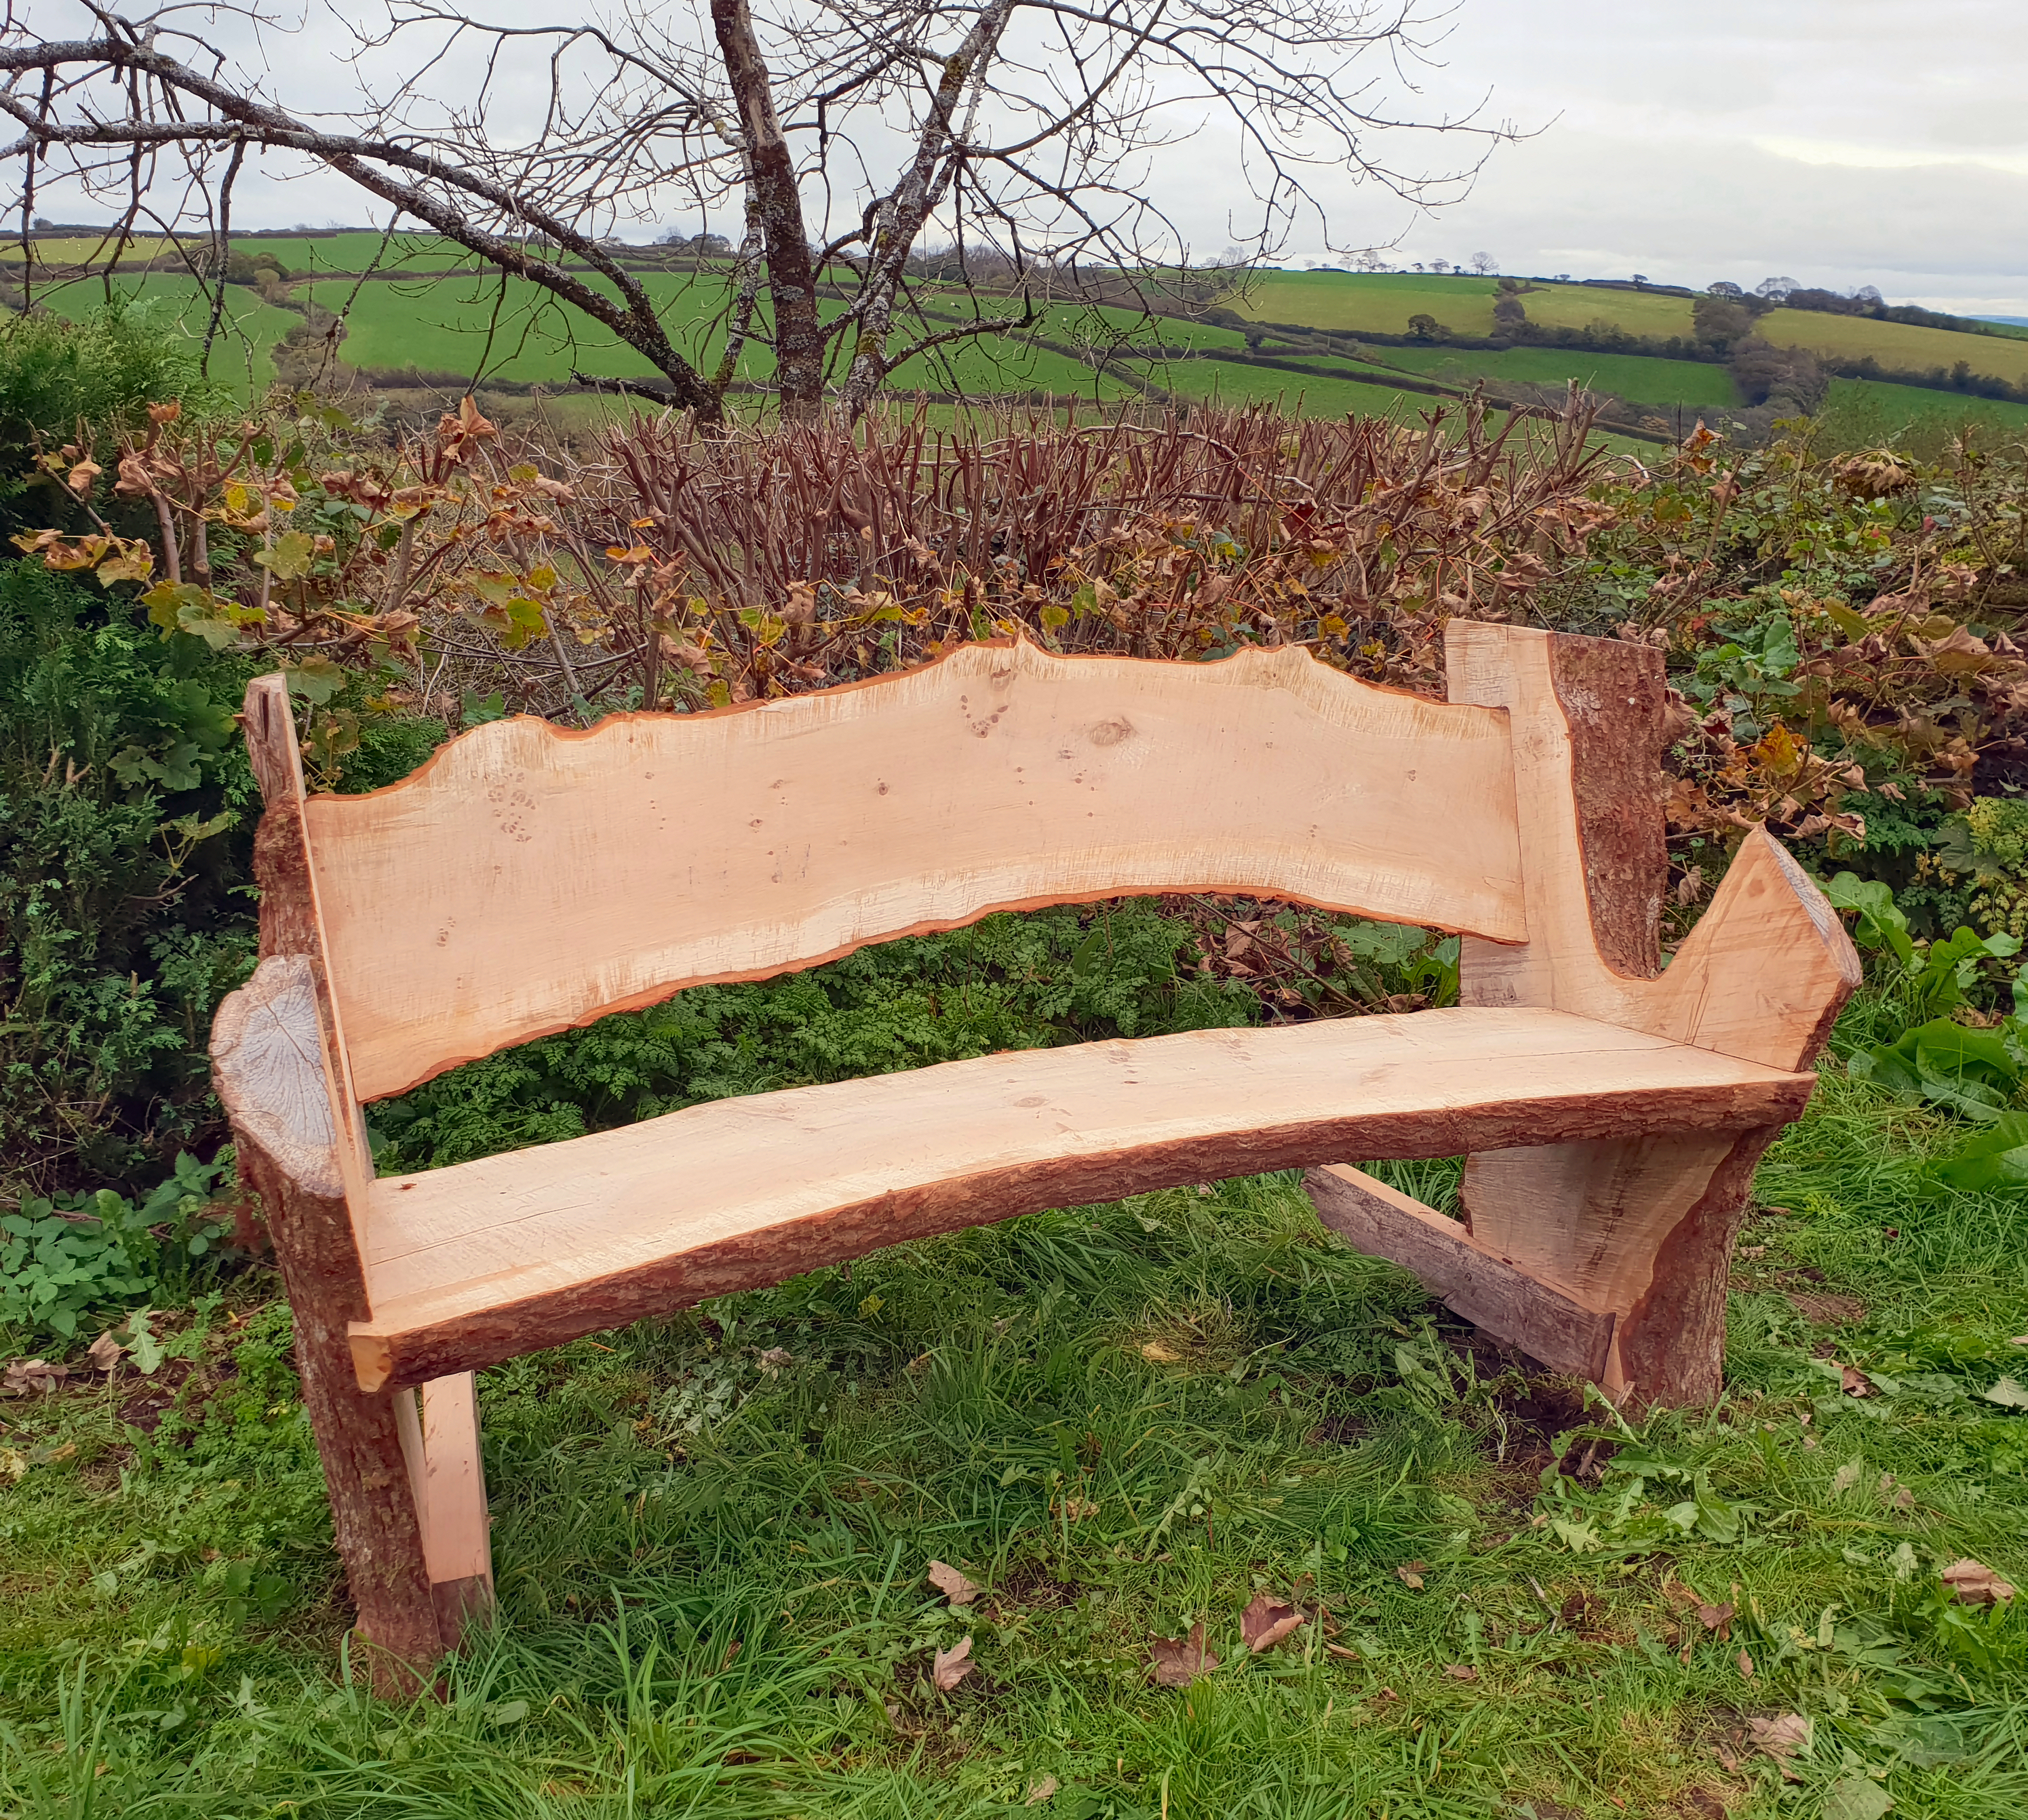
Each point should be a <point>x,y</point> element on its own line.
<point>1181,1660</point>
<point>1387,1693</point>
<point>1411,1573</point>
<point>1717,1618</point>
<point>12,1466</point>
<point>1159,1353</point>
<point>29,1377</point>
<point>105,1352</point>
<point>775,1360</point>
<point>1781,1734</point>
<point>1746,1665</point>
<point>1973,1583</point>
<point>952,1583</point>
<point>2009,1393</point>
<point>950,1666</point>
<point>1856,1798</point>
<point>1845,1478</point>
<point>1041,1792</point>
<point>1856,1382</point>
<point>1265,1622</point>
<point>1339,1649</point>
<point>1462,1671</point>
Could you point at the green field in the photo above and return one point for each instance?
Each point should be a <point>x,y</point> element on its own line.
<point>1629,376</point>
<point>1896,344</point>
<point>1868,413</point>
<point>241,358</point>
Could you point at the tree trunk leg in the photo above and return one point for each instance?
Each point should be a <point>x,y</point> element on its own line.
<point>448,1474</point>
<point>1644,1227</point>
<point>373,1505</point>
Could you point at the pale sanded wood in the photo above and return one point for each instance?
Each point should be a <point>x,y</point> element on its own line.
<point>277,1064</point>
<point>529,877</point>
<point>1472,1280</point>
<point>489,1259</point>
<point>1640,1227</point>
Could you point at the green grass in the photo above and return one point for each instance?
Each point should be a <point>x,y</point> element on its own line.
<point>710,1571</point>
<point>1868,413</point>
<point>1898,344</point>
<point>1653,382</point>
<point>242,357</point>
<point>1382,302</point>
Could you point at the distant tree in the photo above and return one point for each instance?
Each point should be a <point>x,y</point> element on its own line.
<point>1509,312</point>
<point>1427,328</point>
<point>1368,259</point>
<point>1563,278</point>
<point>43,224</point>
<point>1485,264</point>
<point>1868,294</point>
<point>1721,322</point>
<point>1440,265</point>
<point>1776,288</point>
<point>1725,287</point>
<point>700,246</point>
<point>852,127</point>
<point>1640,278</point>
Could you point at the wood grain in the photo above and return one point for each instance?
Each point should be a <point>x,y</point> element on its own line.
<point>1472,1280</point>
<point>1762,977</point>
<point>481,1263</point>
<point>528,878</point>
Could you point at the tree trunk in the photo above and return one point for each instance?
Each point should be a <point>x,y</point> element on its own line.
<point>792,279</point>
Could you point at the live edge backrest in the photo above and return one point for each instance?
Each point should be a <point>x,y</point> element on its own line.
<point>529,877</point>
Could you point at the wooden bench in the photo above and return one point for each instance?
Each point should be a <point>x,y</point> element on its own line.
<point>529,879</point>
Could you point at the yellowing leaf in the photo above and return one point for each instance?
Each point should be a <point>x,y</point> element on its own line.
<point>289,557</point>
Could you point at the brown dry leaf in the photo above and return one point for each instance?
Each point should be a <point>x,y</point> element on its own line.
<point>1411,1573</point>
<point>1339,1649</point>
<point>1181,1660</point>
<point>1973,1583</point>
<point>1265,1622</point>
<point>31,1376</point>
<point>1462,1671</point>
<point>952,1583</point>
<point>1160,1352</point>
<point>1780,1735</point>
<point>105,1352</point>
<point>950,1666</point>
<point>1041,1792</point>
<point>1746,1665</point>
<point>1856,1382</point>
<point>1717,1618</point>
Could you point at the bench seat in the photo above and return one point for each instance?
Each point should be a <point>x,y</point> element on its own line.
<point>483,1262</point>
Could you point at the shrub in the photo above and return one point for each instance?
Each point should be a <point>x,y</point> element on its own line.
<point>126,808</point>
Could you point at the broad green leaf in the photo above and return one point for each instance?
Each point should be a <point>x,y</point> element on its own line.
<point>1996,1158</point>
<point>2009,1393</point>
<point>1880,923</point>
<point>288,559</point>
<point>317,679</point>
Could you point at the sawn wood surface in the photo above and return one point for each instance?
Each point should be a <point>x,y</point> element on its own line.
<point>487,1260</point>
<point>529,877</point>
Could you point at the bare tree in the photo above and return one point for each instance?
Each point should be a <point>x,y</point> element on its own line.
<point>839,131</point>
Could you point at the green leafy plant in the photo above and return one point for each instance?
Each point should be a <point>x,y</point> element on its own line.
<point>78,1254</point>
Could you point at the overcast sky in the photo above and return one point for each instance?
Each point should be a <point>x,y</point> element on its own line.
<point>1837,142</point>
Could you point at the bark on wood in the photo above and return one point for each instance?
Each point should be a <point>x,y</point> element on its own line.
<point>481,1263</point>
<point>276,1050</point>
<point>771,167</point>
<point>546,877</point>
<point>1762,977</point>
<point>268,1069</point>
<point>1489,1291</point>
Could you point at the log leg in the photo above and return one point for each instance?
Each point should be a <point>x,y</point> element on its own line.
<point>373,1507</point>
<point>447,1477</point>
<point>1642,1227</point>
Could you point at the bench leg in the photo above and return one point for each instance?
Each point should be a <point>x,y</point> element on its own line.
<point>1644,1227</point>
<point>447,1478</point>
